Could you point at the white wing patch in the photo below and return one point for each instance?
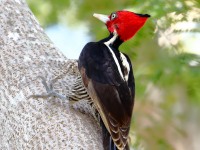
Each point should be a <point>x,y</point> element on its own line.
<point>116,61</point>
<point>126,66</point>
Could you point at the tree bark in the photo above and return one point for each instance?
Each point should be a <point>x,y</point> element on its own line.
<point>44,123</point>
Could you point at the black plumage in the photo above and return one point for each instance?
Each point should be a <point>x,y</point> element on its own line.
<point>111,93</point>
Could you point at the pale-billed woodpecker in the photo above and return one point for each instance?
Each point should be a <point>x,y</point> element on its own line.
<point>108,76</point>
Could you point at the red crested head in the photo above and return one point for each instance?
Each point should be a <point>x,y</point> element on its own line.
<point>124,23</point>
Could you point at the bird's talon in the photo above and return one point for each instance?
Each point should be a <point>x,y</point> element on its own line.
<point>49,90</point>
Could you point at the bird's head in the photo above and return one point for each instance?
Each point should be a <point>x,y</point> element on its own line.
<point>124,23</point>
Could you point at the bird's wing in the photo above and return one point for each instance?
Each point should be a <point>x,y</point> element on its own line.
<point>115,107</point>
<point>110,93</point>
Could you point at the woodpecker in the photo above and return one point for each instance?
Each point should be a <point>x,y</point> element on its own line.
<point>108,76</point>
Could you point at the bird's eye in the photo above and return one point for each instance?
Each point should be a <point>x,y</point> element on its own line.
<point>113,16</point>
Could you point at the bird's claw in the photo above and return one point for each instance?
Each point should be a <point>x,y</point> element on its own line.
<point>49,90</point>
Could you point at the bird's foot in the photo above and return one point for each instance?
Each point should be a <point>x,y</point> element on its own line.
<point>49,90</point>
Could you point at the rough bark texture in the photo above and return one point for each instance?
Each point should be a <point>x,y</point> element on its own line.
<point>26,123</point>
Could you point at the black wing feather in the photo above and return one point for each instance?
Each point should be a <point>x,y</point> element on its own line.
<point>99,64</point>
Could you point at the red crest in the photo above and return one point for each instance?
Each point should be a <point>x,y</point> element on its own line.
<point>126,23</point>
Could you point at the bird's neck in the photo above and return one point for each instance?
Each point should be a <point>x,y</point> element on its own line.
<point>113,40</point>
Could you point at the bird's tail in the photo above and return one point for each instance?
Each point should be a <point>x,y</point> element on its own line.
<point>108,143</point>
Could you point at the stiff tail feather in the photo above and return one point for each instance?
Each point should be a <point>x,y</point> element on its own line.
<point>108,143</point>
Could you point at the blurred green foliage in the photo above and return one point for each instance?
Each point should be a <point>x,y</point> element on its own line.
<point>166,113</point>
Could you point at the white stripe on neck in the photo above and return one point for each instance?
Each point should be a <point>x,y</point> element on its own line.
<point>113,54</point>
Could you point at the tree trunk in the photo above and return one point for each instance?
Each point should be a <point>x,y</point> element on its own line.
<point>43,123</point>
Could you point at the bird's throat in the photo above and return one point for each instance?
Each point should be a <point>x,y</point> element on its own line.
<point>113,40</point>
